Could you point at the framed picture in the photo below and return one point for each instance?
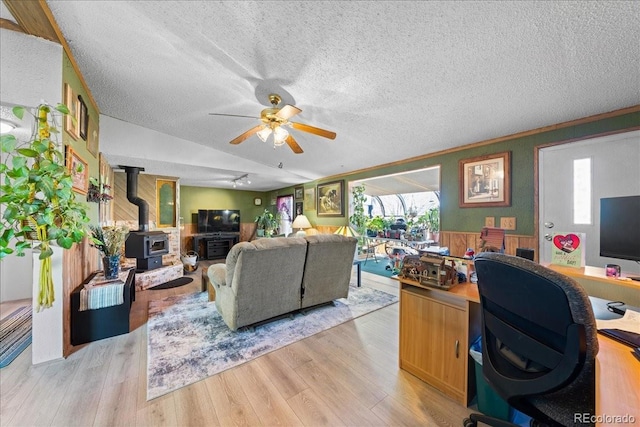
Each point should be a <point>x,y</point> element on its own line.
<point>299,209</point>
<point>330,199</point>
<point>79,170</point>
<point>71,119</point>
<point>299,193</point>
<point>485,181</point>
<point>310,199</point>
<point>285,208</point>
<point>83,118</point>
<point>92,138</point>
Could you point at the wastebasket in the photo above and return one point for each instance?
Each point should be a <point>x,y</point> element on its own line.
<point>489,402</point>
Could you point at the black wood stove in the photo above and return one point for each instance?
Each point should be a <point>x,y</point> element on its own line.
<point>147,247</point>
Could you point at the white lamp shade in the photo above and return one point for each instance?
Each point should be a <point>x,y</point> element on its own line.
<point>301,221</point>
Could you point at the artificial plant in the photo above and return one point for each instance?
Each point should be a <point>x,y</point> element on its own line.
<point>37,197</point>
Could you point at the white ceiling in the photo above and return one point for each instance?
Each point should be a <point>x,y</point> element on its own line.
<point>393,79</point>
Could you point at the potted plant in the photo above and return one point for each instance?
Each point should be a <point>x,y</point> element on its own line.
<point>358,218</point>
<point>110,241</point>
<point>98,192</point>
<point>386,227</point>
<point>375,224</point>
<point>39,203</point>
<point>267,222</point>
<point>433,222</point>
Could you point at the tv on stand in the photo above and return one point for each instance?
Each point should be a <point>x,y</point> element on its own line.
<point>218,221</point>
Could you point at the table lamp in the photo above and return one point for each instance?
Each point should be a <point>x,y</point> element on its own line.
<point>301,222</point>
<point>346,230</point>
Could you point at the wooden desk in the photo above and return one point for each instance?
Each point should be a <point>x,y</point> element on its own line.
<point>617,370</point>
<point>596,274</point>
<point>617,379</point>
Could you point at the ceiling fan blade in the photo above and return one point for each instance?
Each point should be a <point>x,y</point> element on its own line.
<point>314,130</point>
<point>246,135</point>
<point>233,115</point>
<point>291,142</point>
<point>288,111</point>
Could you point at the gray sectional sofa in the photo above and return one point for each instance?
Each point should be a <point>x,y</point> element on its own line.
<point>269,277</point>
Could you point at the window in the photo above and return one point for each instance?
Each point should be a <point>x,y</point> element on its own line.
<point>582,191</point>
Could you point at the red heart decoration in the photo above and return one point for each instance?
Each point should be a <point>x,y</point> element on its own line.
<point>568,243</point>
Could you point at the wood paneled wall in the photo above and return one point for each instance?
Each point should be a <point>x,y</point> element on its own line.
<point>458,242</point>
<point>77,263</point>
<point>123,209</point>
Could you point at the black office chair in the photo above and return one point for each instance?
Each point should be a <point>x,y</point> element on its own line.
<point>539,341</point>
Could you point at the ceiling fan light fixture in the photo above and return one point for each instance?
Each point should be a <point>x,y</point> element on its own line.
<point>280,136</point>
<point>264,133</point>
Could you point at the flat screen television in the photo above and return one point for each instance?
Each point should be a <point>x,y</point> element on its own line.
<point>218,220</point>
<point>620,227</point>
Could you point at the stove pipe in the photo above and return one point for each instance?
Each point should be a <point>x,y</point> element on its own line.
<point>132,196</point>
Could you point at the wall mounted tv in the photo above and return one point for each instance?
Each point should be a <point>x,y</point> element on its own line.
<point>620,227</point>
<point>217,220</point>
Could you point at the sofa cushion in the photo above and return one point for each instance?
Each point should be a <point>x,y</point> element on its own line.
<point>262,280</point>
<point>327,270</point>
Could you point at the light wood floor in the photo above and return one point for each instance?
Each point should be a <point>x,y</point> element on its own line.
<point>347,375</point>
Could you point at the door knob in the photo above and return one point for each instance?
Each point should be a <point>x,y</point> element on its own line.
<point>549,224</point>
<point>548,237</point>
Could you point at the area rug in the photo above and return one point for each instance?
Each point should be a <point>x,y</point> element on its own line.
<point>188,341</point>
<point>180,281</point>
<point>378,268</point>
<point>15,334</point>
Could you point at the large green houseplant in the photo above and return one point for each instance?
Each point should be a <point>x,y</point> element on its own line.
<point>266,223</point>
<point>40,207</point>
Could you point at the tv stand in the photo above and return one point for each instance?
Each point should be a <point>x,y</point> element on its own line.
<point>215,245</point>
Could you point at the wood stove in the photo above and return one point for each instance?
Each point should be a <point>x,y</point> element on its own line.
<point>147,247</point>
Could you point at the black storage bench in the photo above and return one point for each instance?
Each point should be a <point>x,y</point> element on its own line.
<point>93,325</point>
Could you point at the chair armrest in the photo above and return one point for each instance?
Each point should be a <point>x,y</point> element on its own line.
<point>217,274</point>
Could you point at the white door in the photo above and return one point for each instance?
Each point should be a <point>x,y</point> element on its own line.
<point>605,167</point>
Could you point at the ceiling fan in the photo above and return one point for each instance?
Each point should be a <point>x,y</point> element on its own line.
<point>274,120</point>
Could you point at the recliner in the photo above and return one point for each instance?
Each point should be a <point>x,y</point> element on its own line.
<point>539,341</point>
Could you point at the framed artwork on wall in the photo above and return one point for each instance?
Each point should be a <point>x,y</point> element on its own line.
<point>330,199</point>
<point>310,199</point>
<point>71,119</point>
<point>299,209</point>
<point>83,118</point>
<point>79,171</point>
<point>166,205</point>
<point>485,181</point>
<point>299,192</point>
<point>92,138</point>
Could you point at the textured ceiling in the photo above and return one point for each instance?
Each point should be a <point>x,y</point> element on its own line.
<point>393,79</point>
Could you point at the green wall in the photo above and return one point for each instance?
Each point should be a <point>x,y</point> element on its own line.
<point>79,145</point>
<point>454,218</point>
<point>194,198</point>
